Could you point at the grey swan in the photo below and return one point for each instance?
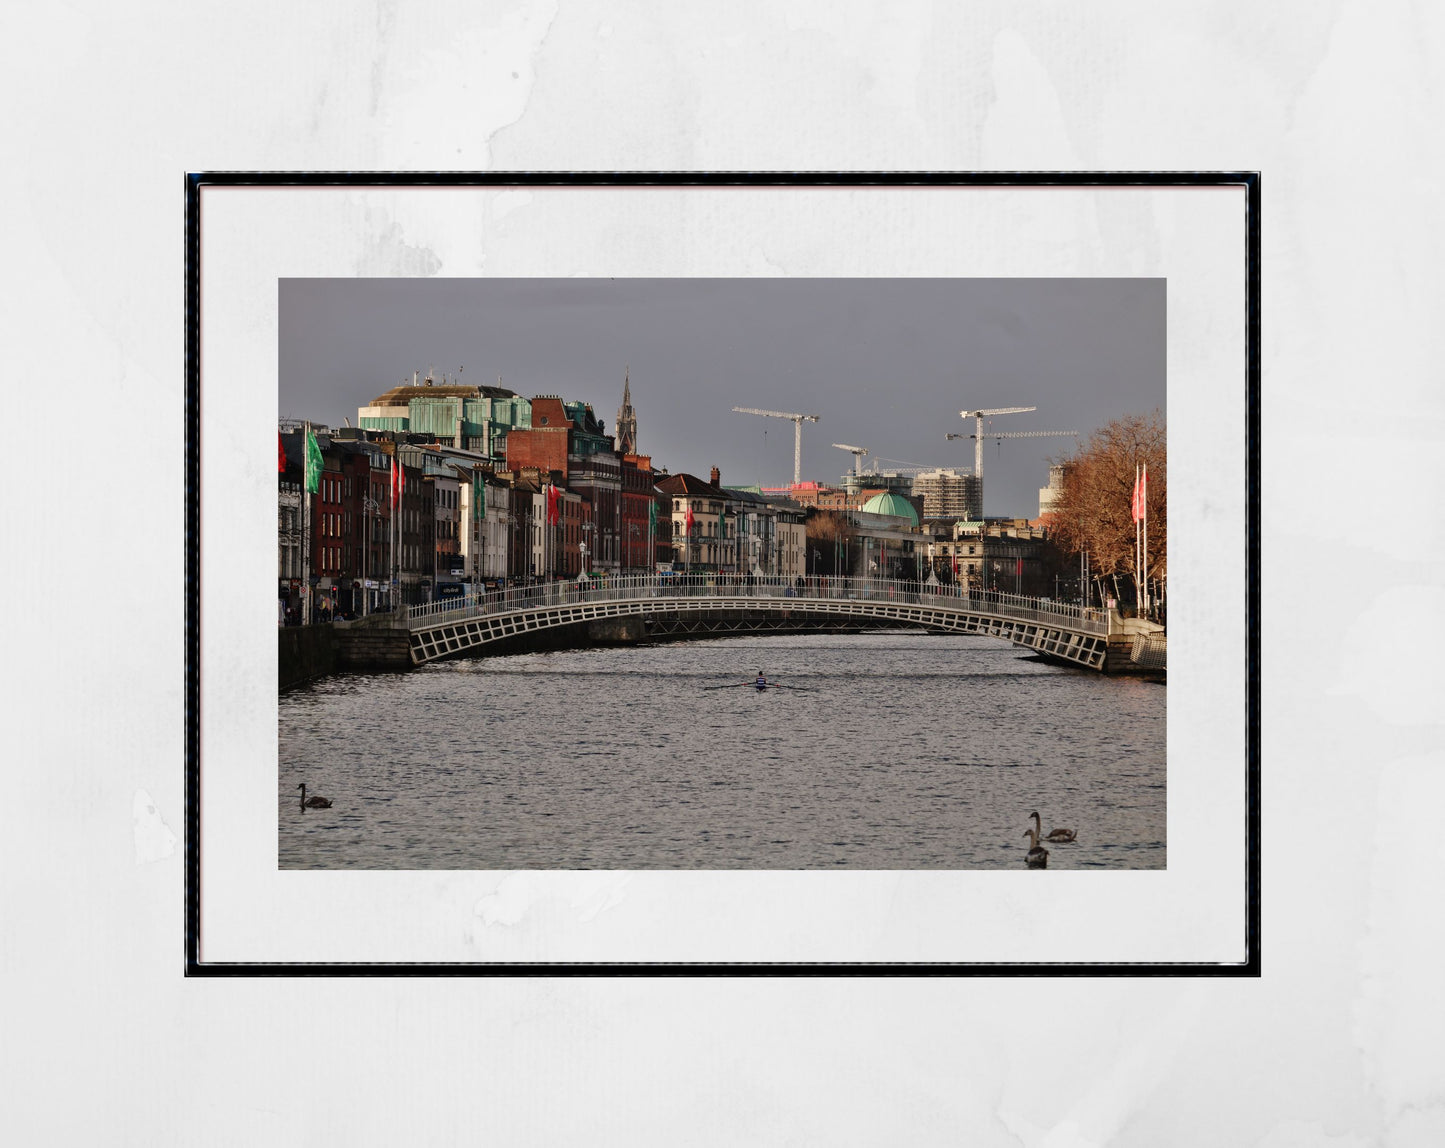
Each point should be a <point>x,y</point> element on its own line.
<point>1037,857</point>
<point>312,802</point>
<point>1058,836</point>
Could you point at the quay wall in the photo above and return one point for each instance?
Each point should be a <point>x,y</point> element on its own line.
<point>372,649</point>
<point>303,654</point>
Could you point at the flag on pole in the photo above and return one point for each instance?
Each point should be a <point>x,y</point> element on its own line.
<point>722,523</point>
<point>1141,480</point>
<point>313,463</point>
<point>479,496</point>
<point>280,454</point>
<point>652,514</point>
<point>1019,568</point>
<point>398,480</point>
<point>687,524</point>
<point>552,499</point>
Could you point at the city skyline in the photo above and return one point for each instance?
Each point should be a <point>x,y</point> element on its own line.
<point>887,364</point>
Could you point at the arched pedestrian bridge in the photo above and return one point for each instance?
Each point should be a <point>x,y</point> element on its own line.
<point>445,629</point>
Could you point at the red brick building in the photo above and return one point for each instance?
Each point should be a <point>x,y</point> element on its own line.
<point>638,548</point>
<point>567,440</point>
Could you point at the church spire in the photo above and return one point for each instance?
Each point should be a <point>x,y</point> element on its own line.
<point>627,418</point>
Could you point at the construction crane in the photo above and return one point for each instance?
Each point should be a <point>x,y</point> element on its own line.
<point>898,466</point>
<point>978,436</point>
<point>857,451</point>
<point>798,421</point>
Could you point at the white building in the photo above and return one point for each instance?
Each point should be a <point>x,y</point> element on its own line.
<point>483,538</point>
<point>1050,495</point>
<point>792,542</point>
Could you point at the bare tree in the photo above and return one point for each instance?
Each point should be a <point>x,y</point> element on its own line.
<point>1094,512</point>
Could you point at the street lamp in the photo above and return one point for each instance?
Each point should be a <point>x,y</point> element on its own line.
<point>588,530</point>
<point>369,507</point>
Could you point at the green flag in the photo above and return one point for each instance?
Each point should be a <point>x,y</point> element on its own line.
<point>652,514</point>
<point>479,496</point>
<point>313,463</point>
<point>722,523</point>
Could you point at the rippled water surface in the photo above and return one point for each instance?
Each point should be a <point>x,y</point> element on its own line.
<point>896,750</point>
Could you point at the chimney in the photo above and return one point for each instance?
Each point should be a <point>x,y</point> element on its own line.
<point>714,477</point>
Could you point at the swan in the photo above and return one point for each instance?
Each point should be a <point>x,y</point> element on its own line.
<point>1037,857</point>
<point>312,802</point>
<point>1058,836</point>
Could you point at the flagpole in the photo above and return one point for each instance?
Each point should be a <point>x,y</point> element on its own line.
<point>1144,499</point>
<point>391,534</point>
<point>305,520</point>
<point>1135,511</point>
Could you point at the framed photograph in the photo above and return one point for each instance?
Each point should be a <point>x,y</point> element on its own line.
<point>629,598</point>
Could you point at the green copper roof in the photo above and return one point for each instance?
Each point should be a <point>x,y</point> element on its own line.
<point>891,504</point>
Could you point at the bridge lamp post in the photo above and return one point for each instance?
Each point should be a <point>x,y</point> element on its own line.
<point>369,507</point>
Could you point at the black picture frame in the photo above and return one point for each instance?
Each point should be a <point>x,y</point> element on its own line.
<point>195,183</point>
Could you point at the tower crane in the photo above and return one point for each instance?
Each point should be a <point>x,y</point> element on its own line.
<point>798,421</point>
<point>857,451</point>
<point>898,466</point>
<point>978,436</point>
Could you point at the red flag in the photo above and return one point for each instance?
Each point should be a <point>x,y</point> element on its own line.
<point>398,481</point>
<point>280,454</point>
<point>1019,568</point>
<point>1140,480</point>
<point>552,504</point>
<point>687,528</point>
<point>955,565</point>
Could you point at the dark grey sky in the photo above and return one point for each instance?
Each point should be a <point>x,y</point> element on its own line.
<point>886,363</point>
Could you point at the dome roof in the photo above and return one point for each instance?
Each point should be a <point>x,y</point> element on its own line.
<point>891,504</point>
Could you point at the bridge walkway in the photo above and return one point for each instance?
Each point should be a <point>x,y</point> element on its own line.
<point>1074,634</point>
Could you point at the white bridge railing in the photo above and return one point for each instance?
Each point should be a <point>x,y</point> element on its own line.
<point>775,591</point>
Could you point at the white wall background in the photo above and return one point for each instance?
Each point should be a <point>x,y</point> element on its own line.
<point>107,105</point>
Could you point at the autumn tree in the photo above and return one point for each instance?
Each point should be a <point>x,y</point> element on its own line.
<point>1094,512</point>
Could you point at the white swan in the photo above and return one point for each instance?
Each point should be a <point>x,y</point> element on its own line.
<point>312,802</point>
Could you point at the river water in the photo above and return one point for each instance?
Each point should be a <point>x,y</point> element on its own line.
<point>894,750</point>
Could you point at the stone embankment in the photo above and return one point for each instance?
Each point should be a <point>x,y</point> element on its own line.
<point>305,653</point>
<point>1136,646</point>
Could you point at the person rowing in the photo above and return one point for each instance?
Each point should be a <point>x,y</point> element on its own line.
<point>760,682</point>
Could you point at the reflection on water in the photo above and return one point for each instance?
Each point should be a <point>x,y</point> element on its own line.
<point>899,750</point>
